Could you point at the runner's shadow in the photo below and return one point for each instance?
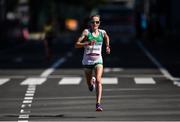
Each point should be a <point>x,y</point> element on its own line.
<point>54,116</point>
<point>63,116</point>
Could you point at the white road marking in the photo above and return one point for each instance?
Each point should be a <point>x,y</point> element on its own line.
<point>33,81</point>
<point>177,83</point>
<point>163,70</point>
<point>28,94</point>
<point>28,98</point>
<point>27,101</point>
<point>70,81</point>
<point>3,80</point>
<point>26,104</point>
<point>112,69</point>
<point>31,89</point>
<point>109,80</point>
<point>59,62</point>
<point>24,116</point>
<point>47,72</point>
<point>22,120</point>
<point>144,81</point>
<point>23,111</point>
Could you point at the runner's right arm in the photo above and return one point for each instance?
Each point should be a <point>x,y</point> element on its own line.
<point>79,43</point>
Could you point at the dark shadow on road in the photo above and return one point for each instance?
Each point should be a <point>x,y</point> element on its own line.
<point>51,116</point>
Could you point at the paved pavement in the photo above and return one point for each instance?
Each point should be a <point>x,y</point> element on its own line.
<point>135,86</point>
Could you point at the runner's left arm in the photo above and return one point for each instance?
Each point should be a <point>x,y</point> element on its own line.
<point>106,38</point>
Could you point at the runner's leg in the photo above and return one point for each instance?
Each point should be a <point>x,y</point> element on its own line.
<point>98,74</point>
<point>88,75</point>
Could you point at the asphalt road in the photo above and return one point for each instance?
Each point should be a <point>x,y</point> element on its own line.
<point>139,84</point>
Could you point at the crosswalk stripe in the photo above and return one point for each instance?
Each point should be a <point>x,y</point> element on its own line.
<point>77,80</point>
<point>109,81</point>
<point>70,81</point>
<point>33,81</point>
<point>144,81</point>
<point>4,80</point>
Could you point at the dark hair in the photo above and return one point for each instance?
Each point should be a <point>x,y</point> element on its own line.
<point>95,15</point>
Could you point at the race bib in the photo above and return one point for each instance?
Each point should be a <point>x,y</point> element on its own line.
<point>93,49</point>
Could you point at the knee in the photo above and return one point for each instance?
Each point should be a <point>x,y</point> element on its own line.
<point>98,80</point>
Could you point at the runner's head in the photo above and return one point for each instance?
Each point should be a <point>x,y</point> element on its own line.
<point>95,21</point>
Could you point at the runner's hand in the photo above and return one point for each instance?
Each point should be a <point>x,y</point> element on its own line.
<point>108,50</point>
<point>92,42</point>
<point>86,43</point>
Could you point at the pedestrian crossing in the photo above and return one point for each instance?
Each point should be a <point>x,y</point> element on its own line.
<point>70,81</point>
<point>79,79</point>
<point>144,81</point>
<point>34,81</point>
<point>110,80</point>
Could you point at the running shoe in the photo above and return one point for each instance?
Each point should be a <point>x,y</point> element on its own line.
<point>98,107</point>
<point>92,86</point>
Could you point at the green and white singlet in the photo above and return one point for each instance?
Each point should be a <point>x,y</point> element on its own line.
<point>92,53</point>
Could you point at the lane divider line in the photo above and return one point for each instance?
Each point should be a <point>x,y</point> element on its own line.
<point>3,80</point>
<point>47,72</point>
<point>162,69</point>
<point>32,83</point>
<point>27,103</point>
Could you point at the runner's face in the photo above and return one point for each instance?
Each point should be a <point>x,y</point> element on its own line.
<point>95,22</point>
